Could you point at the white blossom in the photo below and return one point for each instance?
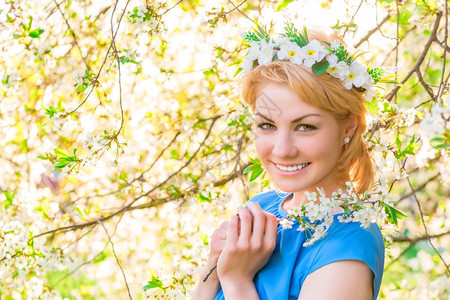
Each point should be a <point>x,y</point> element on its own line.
<point>335,45</point>
<point>312,53</point>
<point>252,55</point>
<point>266,53</point>
<point>290,51</point>
<point>286,223</point>
<point>356,75</point>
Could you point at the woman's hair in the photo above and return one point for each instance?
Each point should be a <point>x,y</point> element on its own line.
<point>325,92</point>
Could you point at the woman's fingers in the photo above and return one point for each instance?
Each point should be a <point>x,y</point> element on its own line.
<point>246,224</point>
<point>259,224</point>
<point>233,230</point>
<point>271,229</point>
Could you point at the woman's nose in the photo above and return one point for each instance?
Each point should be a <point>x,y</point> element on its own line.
<point>284,146</point>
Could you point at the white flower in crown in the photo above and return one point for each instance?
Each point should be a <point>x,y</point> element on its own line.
<point>338,69</point>
<point>265,53</point>
<point>312,53</point>
<point>252,55</point>
<point>356,75</point>
<point>294,46</point>
<point>335,45</point>
<point>283,41</point>
<point>290,51</point>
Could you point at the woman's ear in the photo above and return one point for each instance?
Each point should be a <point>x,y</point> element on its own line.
<point>352,124</point>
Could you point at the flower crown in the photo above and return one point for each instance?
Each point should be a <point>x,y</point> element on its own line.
<point>295,47</point>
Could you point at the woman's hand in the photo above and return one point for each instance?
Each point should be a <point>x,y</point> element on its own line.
<point>218,240</point>
<point>250,240</point>
<point>207,289</point>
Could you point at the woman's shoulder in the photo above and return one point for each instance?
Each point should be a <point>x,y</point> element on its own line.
<point>354,234</point>
<point>350,241</point>
<point>347,239</point>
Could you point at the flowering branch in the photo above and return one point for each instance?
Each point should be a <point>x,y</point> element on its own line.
<point>127,207</point>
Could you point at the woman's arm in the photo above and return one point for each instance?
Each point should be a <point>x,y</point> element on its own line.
<point>342,280</point>
<point>251,238</point>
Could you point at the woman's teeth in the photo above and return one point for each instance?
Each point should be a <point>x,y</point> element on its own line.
<point>291,168</point>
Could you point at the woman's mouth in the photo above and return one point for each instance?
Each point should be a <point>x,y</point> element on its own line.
<point>292,168</point>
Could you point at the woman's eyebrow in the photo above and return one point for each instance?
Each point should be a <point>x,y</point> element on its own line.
<point>293,121</point>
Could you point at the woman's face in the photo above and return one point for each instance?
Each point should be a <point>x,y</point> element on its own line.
<point>298,144</point>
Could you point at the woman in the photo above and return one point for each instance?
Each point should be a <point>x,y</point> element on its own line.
<point>308,135</point>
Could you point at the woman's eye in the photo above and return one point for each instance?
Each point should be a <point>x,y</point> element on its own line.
<point>266,126</point>
<point>301,127</point>
<point>305,127</point>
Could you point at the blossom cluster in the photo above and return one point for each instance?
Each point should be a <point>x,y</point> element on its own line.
<point>296,48</point>
<point>316,215</point>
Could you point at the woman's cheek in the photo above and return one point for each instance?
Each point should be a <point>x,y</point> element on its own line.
<point>262,146</point>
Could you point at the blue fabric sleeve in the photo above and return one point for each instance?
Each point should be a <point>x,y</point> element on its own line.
<point>352,242</point>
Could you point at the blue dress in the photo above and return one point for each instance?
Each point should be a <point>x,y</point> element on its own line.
<point>283,275</point>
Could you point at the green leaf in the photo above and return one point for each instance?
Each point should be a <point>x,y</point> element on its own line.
<point>59,152</point>
<point>249,169</point>
<point>256,173</point>
<point>442,142</point>
<point>36,33</point>
<point>283,4</point>
<point>210,72</point>
<point>153,283</point>
<point>51,111</point>
<point>101,257</point>
<point>409,149</point>
<point>237,62</point>
<point>81,88</point>
<point>174,154</point>
<point>441,146</point>
<point>372,106</point>
<point>60,164</point>
<point>320,67</point>
<point>81,213</point>
<point>9,198</point>
<point>393,213</point>
<point>203,198</point>
<point>237,72</point>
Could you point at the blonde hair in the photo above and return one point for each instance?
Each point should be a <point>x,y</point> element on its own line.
<point>328,93</point>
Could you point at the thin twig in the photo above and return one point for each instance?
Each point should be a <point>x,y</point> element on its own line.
<point>116,55</point>
<point>237,7</point>
<point>170,8</point>
<point>421,57</point>
<point>353,18</point>
<point>425,226</point>
<point>411,242</point>
<point>73,33</point>
<point>104,60</point>
<point>117,259</point>
<point>372,31</point>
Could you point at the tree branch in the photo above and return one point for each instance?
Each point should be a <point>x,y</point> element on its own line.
<point>421,57</point>
<point>127,207</point>
<point>372,31</point>
<point>424,225</point>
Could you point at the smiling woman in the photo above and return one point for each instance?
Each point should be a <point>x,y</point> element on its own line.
<point>308,136</point>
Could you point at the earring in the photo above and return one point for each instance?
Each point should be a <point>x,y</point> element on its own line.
<point>347,140</point>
